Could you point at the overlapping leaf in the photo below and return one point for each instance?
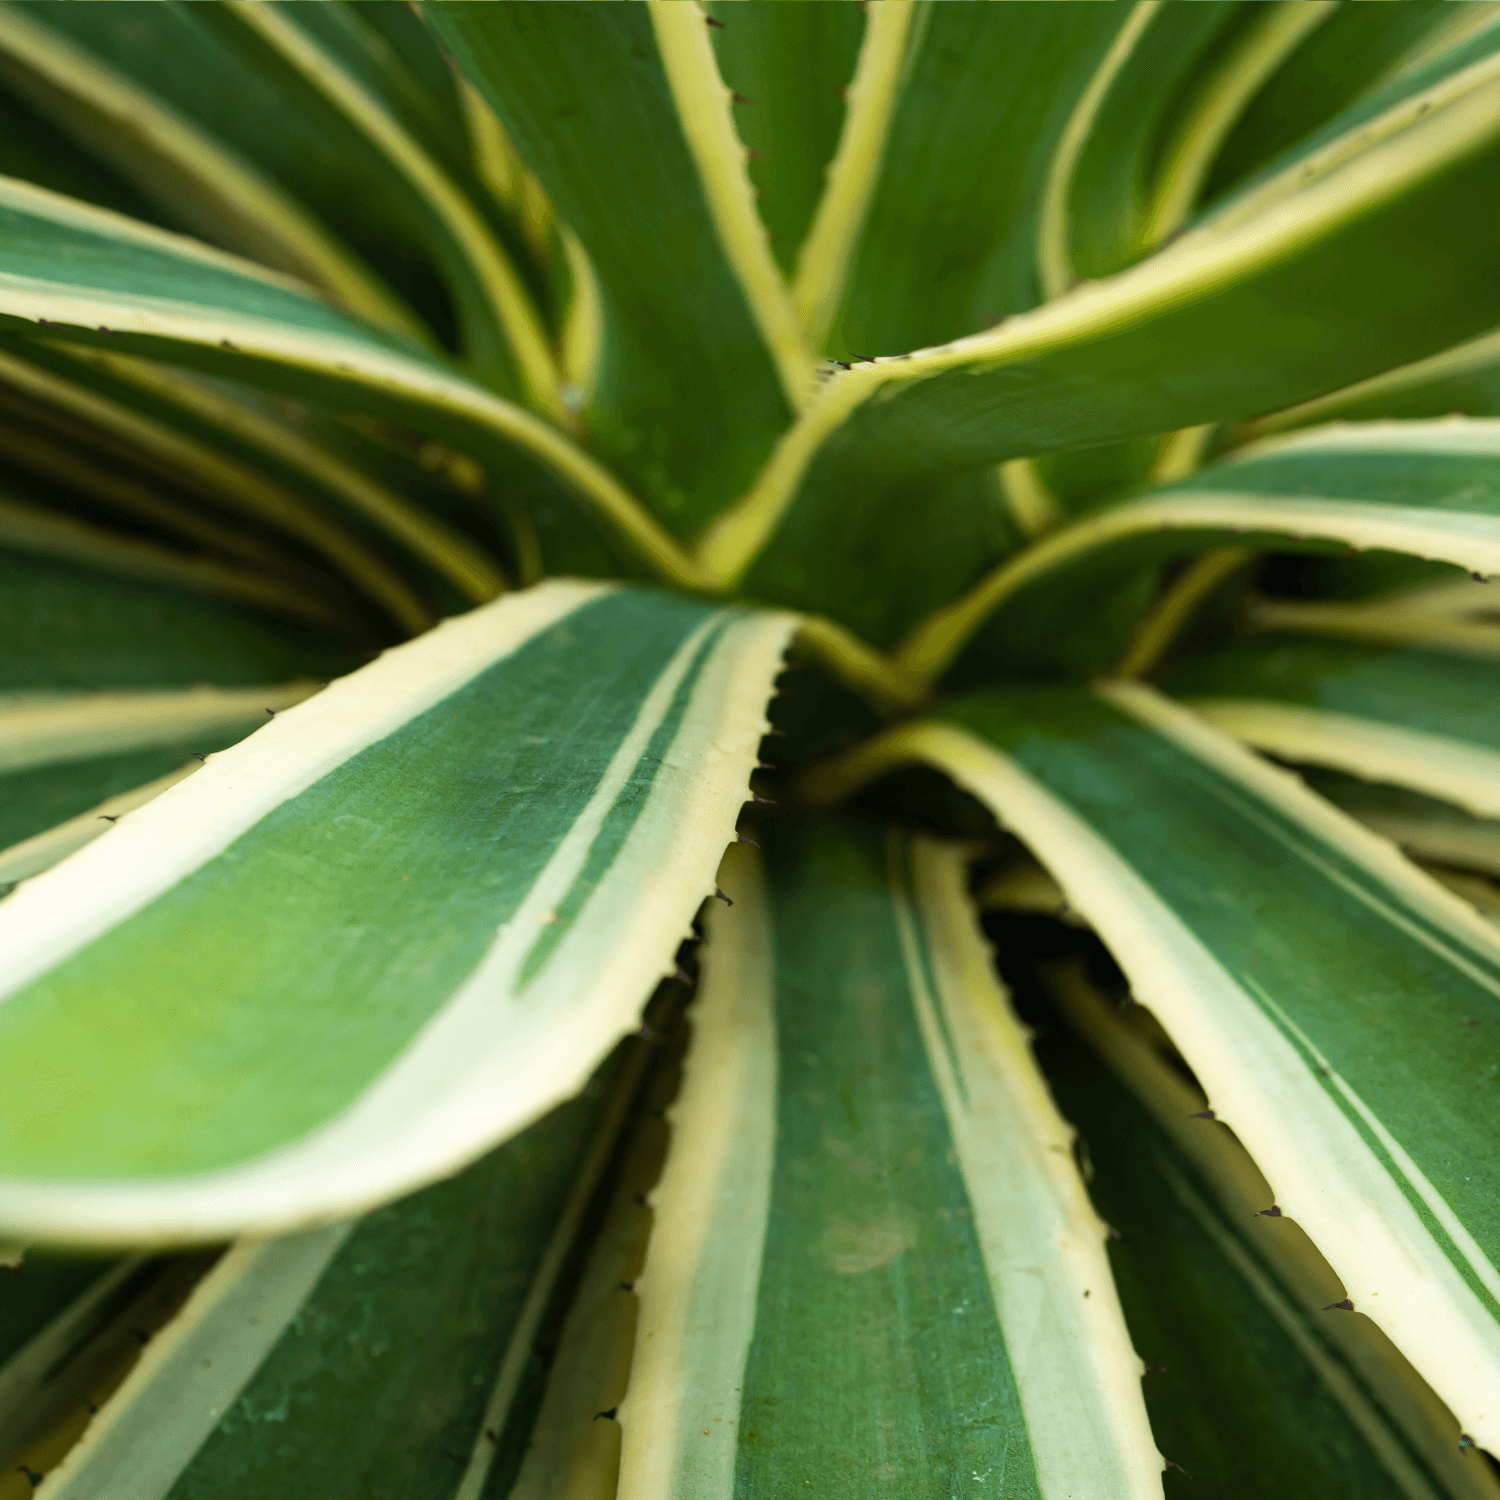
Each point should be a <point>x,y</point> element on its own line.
<point>1401,191</point>
<point>1423,719</point>
<point>590,100</point>
<point>873,1265</point>
<point>1273,939</point>
<point>399,1350</point>
<point>1320,1397</point>
<point>387,930</point>
<point>84,275</point>
<point>1422,489</point>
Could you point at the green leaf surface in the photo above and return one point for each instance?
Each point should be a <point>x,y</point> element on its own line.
<point>34,150</point>
<point>390,1357</point>
<point>69,628</point>
<point>1352,53</point>
<point>1402,715</point>
<point>243,430</point>
<point>193,180</point>
<point>397,57</point>
<point>32,1297</point>
<point>83,275</point>
<point>1423,489</point>
<point>1308,1405</point>
<point>795,63</point>
<point>33,800</point>
<point>403,919</point>
<point>688,400</point>
<point>1425,827</point>
<point>196,63</point>
<point>949,240</point>
<point>1434,692</point>
<point>274,92</point>
<point>873,1270</point>
<point>1402,203</point>
<point>60,753</point>
<point>1109,196</point>
<point>1462,381</point>
<point>1273,939</point>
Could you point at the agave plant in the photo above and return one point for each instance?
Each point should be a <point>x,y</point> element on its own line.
<point>431,437</point>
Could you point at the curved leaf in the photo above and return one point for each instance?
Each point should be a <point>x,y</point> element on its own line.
<point>31,530</point>
<point>267,88</point>
<point>1408,717</point>
<point>1273,937</point>
<point>873,1266</point>
<point>1109,192</point>
<point>1327,1406</point>
<point>1399,198</point>
<point>390,928</point>
<point>1353,53</point>
<point>1462,381</point>
<point>189,176</point>
<point>984,98</point>
<point>1424,827</point>
<point>503,336</point>
<point>96,278</point>
<point>792,60</point>
<point>315,469</point>
<point>387,1352</point>
<point>1424,489</point>
<point>61,753</point>
<point>190,453</point>
<point>69,628</point>
<point>689,398</point>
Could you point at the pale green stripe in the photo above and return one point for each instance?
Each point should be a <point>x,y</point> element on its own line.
<point>193,1370</point>
<point>1043,1244</point>
<point>698,1288</point>
<point>261,976</point>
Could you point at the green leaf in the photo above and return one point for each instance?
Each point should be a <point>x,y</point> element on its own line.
<point>31,1299</point>
<point>794,61</point>
<point>1424,827</point>
<point>267,88</point>
<point>1327,1406</point>
<point>91,277</point>
<point>1274,938</point>
<point>1428,720</point>
<point>62,752</point>
<point>502,336</point>
<point>873,1269</point>
<point>1253,53</point>
<point>239,427</point>
<point>75,475</point>
<point>1424,489</point>
<point>689,397</point>
<point>1464,380</point>
<point>33,530</point>
<point>393,1355</point>
<point>179,57</point>
<point>387,930</point>
<point>186,446</point>
<point>985,99</point>
<point>193,181</point>
<point>1351,54</point>
<point>69,628</point>
<point>1398,201</point>
<point>1109,194</point>
<point>105,788</point>
<point>84,1325</point>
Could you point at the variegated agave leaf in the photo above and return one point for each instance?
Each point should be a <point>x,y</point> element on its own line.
<point>431,435</point>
